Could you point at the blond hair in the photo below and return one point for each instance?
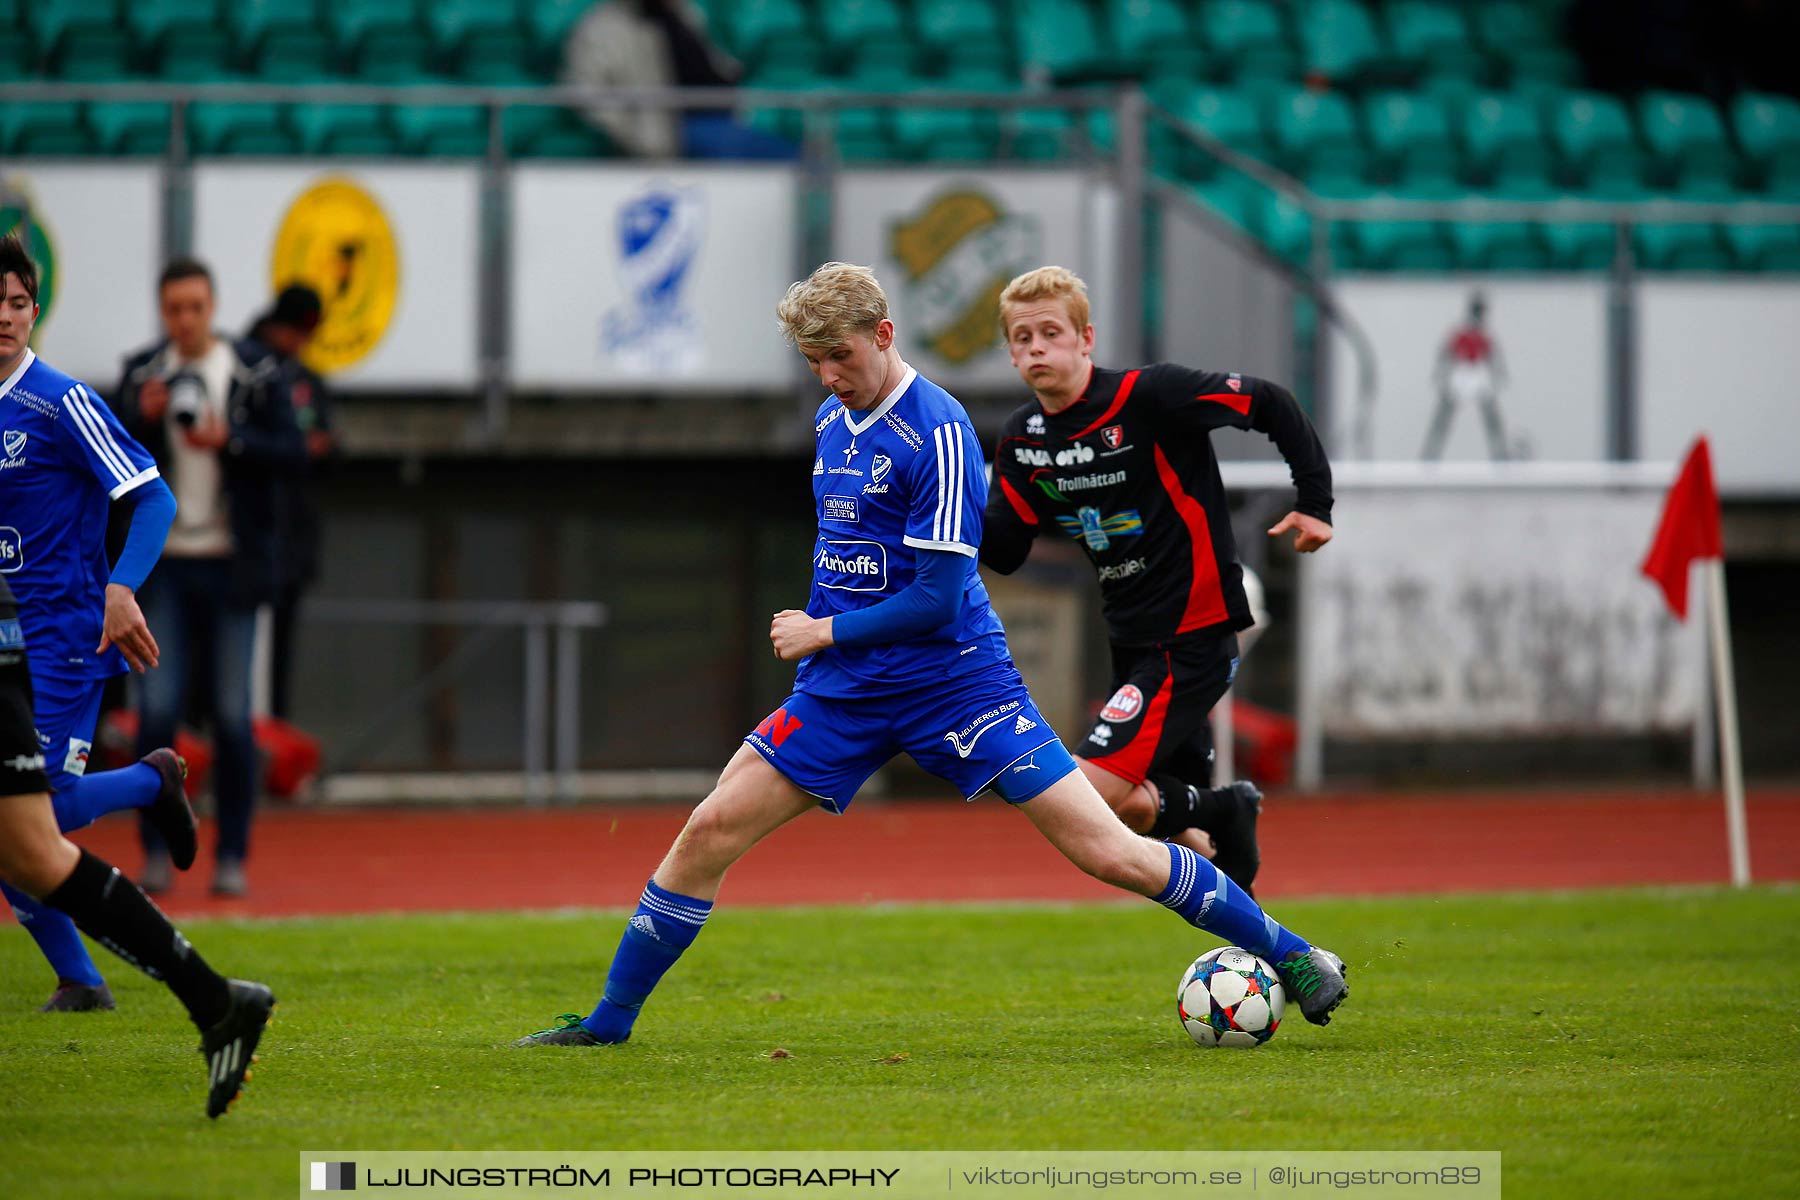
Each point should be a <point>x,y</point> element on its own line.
<point>826,307</point>
<point>1048,283</point>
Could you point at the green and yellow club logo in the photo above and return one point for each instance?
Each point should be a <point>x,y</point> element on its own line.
<point>958,254</point>
<point>18,214</point>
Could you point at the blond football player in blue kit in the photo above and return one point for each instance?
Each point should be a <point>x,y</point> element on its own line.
<point>899,651</point>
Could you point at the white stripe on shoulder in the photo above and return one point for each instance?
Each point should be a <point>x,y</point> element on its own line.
<point>94,403</point>
<point>956,439</point>
<point>961,548</point>
<point>937,518</point>
<point>136,481</point>
<point>93,432</point>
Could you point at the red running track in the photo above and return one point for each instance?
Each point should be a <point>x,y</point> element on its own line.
<point>320,862</point>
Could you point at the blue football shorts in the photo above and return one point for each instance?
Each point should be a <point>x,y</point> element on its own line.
<point>976,735</point>
<point>65,711</point>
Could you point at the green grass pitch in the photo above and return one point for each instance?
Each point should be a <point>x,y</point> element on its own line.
<point>1618,1043</point>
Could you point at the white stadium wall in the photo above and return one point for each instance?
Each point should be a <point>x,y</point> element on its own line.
<point>1479,613</point>
<point>661,279</point>
<point>1551,336</point>
<point>392,249</point>
<point>944,243</point>
<point>102,229</point>
<point>1723,358</point>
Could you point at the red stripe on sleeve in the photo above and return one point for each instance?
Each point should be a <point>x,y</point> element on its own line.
<point>1234,400</point>
<point>1018,503</point>
<point>1125,386</point>
<point>1206,600</point>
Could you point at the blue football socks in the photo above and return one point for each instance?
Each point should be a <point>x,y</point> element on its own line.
<point>81,801</point>
<point>56,936</point>
<point>1207,899</point>
<point>664,925</point>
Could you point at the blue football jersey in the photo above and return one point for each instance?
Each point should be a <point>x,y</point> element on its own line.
<point>63,458</point>
<point>905,477</point>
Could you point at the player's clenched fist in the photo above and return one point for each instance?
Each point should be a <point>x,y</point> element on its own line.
<point>796,635</point>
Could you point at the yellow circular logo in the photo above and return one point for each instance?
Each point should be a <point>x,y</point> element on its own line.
<point>336,240</point>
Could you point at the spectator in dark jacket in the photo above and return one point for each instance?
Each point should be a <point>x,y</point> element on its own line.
<point>286,329</point>
<point>216,416</point>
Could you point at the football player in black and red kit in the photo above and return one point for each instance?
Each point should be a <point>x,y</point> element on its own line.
<point>1121,462</point>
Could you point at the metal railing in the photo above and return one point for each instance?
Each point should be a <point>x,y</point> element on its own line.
<point>552,705</point>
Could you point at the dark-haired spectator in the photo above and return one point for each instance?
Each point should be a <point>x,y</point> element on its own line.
<point>286,328</point>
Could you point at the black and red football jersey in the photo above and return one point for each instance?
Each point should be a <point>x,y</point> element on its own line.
<point>1128,472</point>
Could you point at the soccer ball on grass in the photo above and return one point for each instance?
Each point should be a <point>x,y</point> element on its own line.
<point>1230,997</point>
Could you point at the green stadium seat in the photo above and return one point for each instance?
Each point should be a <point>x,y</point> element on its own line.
<point>788,62</point>
<point>1543,72</point>
<point>755,23</point>
<point>1315,133</point>
<point>53,19</point>
<point>1680,248</point>
<point>19,55</point>
<point>1286,228</point>
<point>1039,134</point>
<point>89,55</point>
<point>1060,41</point>
<point>350,129</point>
<point>945,24</point>
<point>224,128</point>
<point>1227,114</point>
<point>1338,40</point>
<point>150,20</point>
<point>865,134</point>
<point>1504,141</point>
<point>43,127</point>
<point>250,21</point>
<point>451,23</point>
<point>1153,40</point>
<point>1506,26</point>
<point>1592,134</point>
<point>1399,246</point>
<point>547,24</point>
<point>1688,139</point>
<point>1248,41</point>
<point>1768,129</point>
<point>1581,245</point>
<point>1499,246</point>
<point>1410,134</point>
<point>1431,39</point>
<point>1232,198</point>
<point>498,60</point>
<point>192,55</point>
<point>129,127</point>
<point>351,21</point>
<point>441,130</point>
<point>295,54</point>
<point>550,131</point>
<point>1765,247</point>
<point>882,65</point>
<point>946,134</point>
<point>395,54</point>
<point>847,24</point>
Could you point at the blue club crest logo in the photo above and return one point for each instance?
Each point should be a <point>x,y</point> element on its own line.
<point>13,442</point>
<point>659,236</point>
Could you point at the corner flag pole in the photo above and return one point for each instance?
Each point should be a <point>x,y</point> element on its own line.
<point>1719,636</point>
<point>1691,528</point>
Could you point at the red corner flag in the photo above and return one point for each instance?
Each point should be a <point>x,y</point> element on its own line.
<point>1689,529</point>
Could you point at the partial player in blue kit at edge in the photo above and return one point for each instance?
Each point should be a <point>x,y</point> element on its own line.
<point>900,652</point>
<point>63,460</point>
